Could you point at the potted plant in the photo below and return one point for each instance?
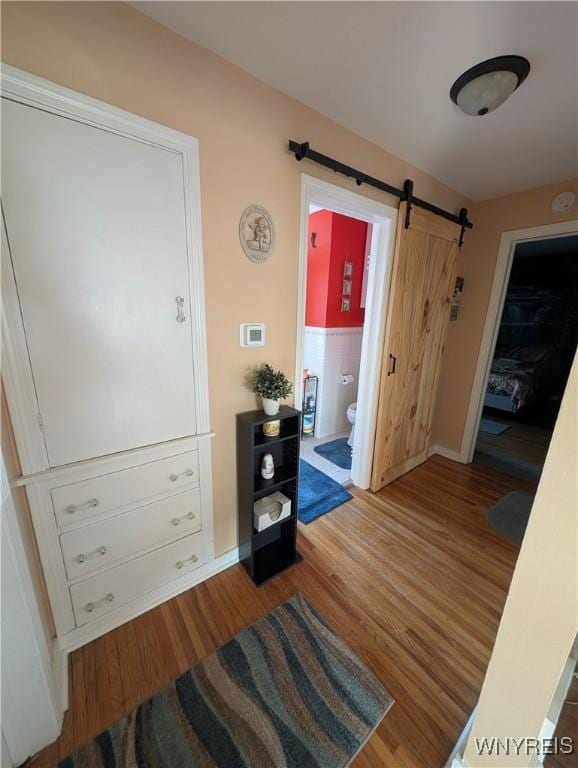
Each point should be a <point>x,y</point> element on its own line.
<point>272,385</point>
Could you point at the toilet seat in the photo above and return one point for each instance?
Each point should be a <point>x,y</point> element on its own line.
<point>351,414</point>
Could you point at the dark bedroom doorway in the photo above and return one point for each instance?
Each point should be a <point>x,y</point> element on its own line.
<point>535,347</point>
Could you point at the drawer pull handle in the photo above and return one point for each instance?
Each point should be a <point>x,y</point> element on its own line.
<point>188,516</point>
<point>83,557</point>
<point>181,563</point>
<point>187,473</point>
<point>180,309</point>
<point>72,508</point>
<point>89,607</point>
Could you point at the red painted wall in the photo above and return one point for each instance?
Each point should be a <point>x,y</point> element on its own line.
<point>348,238</point>
<point>337,238</point>
<point>318,268</point>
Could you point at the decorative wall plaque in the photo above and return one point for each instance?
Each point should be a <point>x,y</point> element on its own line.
<point>257,233</point>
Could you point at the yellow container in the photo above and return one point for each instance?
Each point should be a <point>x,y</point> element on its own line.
<point>272,428</point>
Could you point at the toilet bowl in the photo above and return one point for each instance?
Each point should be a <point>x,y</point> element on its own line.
<point>351,413</point>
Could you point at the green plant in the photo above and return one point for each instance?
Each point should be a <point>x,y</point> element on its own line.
<point>273,385</point>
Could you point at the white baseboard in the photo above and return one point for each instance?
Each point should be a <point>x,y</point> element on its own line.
<point>447,453</point>
<point>88,632</point>
<point>560,696</point>
<point>456,758</point>
<point>62,647</point>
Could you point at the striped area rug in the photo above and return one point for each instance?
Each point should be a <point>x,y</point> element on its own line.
<point>285,692</point>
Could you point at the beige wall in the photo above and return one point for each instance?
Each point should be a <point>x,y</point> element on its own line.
<point>540,618</point>
<point>112,52</point>
<point>491,218</point>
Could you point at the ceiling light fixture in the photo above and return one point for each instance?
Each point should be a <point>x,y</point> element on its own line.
<point>487,85</point>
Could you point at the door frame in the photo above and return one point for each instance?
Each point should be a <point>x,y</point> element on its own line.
<point>383,219</point>
<point>34,668</point>
<point>37,92</point>
<point>506,251</point>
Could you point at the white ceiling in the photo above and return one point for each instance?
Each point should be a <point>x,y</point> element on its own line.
<point>384,70</point>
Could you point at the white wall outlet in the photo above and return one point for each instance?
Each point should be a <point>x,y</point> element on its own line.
<point>252,334</point>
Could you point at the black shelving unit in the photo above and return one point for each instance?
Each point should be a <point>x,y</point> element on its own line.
<point>265,554</point>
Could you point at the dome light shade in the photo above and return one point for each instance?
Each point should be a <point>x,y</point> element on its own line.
<point>487,85</point>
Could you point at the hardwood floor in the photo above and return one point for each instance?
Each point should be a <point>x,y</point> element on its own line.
<point>528,437</point>
<point>413,578</point>
<point>522,441</point>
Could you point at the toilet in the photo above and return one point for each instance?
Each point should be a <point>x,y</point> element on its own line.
<point>351,412</point>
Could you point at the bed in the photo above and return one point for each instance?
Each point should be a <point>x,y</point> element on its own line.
<point>520,375</point>
<point>529,358</point>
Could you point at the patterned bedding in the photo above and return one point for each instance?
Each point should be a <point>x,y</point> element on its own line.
<point>523,373</point>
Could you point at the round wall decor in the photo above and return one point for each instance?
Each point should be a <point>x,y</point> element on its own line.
<point>257,233</point>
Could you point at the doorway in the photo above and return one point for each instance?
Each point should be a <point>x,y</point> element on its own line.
<point>506,252</point>
<point>532,356</point>
<point>359,273</point>
<point>337,259</point>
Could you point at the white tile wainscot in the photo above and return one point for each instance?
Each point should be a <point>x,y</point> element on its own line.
<point>328,353</point>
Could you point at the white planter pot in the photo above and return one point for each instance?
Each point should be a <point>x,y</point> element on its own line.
<point>271,407</point>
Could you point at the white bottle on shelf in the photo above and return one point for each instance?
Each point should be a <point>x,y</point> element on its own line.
<point>267,467</point>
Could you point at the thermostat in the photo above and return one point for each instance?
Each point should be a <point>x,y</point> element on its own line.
<point>252,334</point>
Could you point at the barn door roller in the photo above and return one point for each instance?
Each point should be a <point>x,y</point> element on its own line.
<point>303,151</point>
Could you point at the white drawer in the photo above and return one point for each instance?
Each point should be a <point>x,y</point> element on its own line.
<point>124,489</point>
<point>102,544</point>
<point>108,590</point>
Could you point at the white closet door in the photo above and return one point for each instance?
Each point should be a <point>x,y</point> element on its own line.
<point>96,226</point>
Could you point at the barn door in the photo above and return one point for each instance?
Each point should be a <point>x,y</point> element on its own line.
<point>419,306</point>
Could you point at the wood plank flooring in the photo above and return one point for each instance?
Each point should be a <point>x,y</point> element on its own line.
<point>413,578</point>
<point>523,441</point>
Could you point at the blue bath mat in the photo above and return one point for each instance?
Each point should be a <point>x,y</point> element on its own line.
<point>336,451</point>
<point>318,493</point>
